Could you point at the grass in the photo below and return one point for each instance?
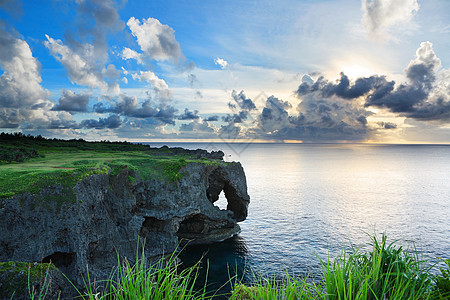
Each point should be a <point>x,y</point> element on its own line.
<point>386,272</point>
<point>160,280</point>
<point>63,163</point>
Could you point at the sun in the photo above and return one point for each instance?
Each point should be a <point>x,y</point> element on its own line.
<point>355,67</point>
<point>355,71</point>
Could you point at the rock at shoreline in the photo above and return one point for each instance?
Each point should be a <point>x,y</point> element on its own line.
<point>113,213</point>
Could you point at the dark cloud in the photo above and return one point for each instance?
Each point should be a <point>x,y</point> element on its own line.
<point>387,125</point>
<point>112,122</point>
<point>72,102</point>
<point>343,88</point>
<point>63,124</point>
<point>317,119</point>
<point>189,115</point>
<point>424,97</point>
<point>197,126</point>
<point>214,118</point>
<point>230,131</point>
<point>236,118</point>
<point>242,108</point>
<point>274,115</point>
<point>129,106</point>
<point>242,101</point>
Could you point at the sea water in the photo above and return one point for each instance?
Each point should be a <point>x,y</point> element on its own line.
<point>309,202</point>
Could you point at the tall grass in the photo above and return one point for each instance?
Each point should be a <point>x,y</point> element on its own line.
<point>142,280</point>
<point>386,272</point>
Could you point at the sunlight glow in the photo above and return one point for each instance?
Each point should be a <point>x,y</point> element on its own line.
<point>355,67</point>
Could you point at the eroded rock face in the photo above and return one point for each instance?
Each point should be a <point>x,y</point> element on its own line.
<point>111,214</point>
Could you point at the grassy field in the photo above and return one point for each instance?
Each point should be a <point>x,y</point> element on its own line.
<point>37,163</point>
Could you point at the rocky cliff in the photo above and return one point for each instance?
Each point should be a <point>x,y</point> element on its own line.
<point>113,213</point>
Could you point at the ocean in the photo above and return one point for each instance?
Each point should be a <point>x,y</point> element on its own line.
<point>310,201</point>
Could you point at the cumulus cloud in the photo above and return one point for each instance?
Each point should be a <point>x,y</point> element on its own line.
<point>20,83</point>
<point>22,98</point>
<point>156,40</point>
<point>197,126</point>
<point>82,69</point>
<point>112,122</point>
<point>274,115</point>
<point>332,118</point>
<point>425,96</point>
<point>159,85</point>
<point>379,16</point>
<point>131,107</point>
<point>128,53</point>
<point>241,120</point>
<point>85,51</point>
<point>387,125</point>
<point>221,62</point>
<point>241,107</point>
<point>214,118</point>
<point>242,101</point>
<point>189,115</point>
<point>71,102</point>
<point>343,88</point>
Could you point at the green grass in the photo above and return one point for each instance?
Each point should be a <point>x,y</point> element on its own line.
<point>386,272</point>
<point>63,163</point>
<point>160,280</point>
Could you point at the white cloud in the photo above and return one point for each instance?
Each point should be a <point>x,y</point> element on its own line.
<point>128,53</point>
<point>22,97</point>
<point>81,68</point>
<point>381,15</point>
<point>156,40</point>
<point>159,85</point>
<point>425,55</point>
<point>221,62</point>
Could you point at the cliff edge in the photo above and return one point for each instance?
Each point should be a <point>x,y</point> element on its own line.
<point>113,212</point>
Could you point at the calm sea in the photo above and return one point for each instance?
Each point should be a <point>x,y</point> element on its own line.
<point>311,201</point>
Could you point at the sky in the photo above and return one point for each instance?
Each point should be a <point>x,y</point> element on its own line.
<point>188,70</point>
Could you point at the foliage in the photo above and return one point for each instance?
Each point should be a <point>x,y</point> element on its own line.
<point>160,280</point>
<point>386,272</point>
<point>267,289</point>
<point>442,288</point>
<point>21,279</point>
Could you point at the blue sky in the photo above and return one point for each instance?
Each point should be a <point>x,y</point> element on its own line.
<point>310,71</point>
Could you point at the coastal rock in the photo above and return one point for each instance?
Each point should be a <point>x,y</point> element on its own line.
<point>112,215</point>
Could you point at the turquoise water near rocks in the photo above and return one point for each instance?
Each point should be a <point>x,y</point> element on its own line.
<point>310,201</point>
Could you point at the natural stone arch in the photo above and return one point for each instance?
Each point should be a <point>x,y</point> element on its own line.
<point>221,180</point>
